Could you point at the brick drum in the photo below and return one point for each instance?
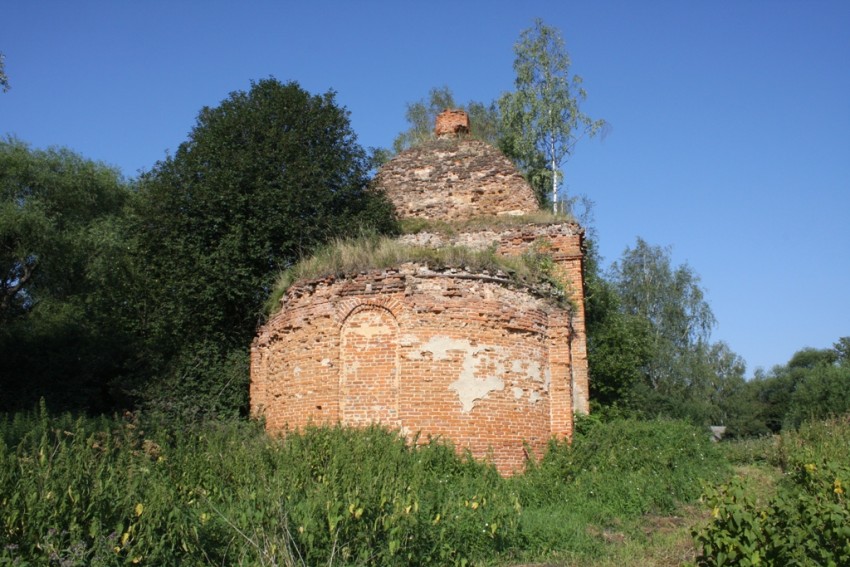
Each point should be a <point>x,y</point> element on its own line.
<point>495,367</point>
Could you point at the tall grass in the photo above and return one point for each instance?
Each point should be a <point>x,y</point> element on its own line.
<point>610,478</point>
<point>353,256</point>
<point>81,491</point>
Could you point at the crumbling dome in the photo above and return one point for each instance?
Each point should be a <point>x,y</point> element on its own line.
<point>496,366</point>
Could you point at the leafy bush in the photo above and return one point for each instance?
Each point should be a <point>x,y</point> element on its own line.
<point>632,466</point>
<point>807,521</point>
<point>821,394</point>
<point>113,491</point>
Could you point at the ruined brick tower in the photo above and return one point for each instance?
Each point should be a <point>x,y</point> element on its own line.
<point>496,367</point>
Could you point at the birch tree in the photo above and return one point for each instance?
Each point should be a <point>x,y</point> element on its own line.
<point>543,116</point>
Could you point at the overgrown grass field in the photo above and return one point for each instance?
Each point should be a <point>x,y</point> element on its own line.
<point>131,490</point>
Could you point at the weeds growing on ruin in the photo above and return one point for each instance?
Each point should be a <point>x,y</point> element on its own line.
<point>354,256</point>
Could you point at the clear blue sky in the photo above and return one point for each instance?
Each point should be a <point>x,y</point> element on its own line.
<point>730,120</point>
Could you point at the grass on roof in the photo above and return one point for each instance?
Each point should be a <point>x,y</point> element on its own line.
<point>365,254</point>
<point>538,218</point>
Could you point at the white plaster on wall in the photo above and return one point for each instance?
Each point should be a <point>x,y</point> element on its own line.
<point>469,387</point>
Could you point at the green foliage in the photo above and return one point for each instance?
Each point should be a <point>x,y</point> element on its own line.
<point>542,121</point>
<point>618,343</point>
<point>125,491</point>
<point>83,491</point>
<point>613,474</point>
<point>807,521</point>
<point>649,353</point>
<point>59,221</point>
<point>812,385</point>
<point>822,393</point>
<point>264,178</point>
<point>651,317</point>
<point>669,298</point>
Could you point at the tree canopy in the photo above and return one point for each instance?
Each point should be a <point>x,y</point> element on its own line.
<point>264,177</point>
<point>58,225</point>
<point>649,326</point>
<point>51,202</point>
<point>543,116</point>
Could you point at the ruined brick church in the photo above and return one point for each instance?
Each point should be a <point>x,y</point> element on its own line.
<point>475,358</point>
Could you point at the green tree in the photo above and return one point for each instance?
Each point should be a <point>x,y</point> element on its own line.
<point>684,374</point>
<point>420,117</point>
<point>542,118</point>
<point>812,384</point>
<point>50,201</point>
<point>842,351</point>
<point>819,379</point>
<point>670,299</point>
<point>822,393</point>
<point>264,178</point>
<point>618,343</point>
<point>59,217</point>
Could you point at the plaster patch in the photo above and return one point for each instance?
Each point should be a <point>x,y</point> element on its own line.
<point>471,389</point>
<point>534,371</point>
<point>439,347</point>
<point>534,397</point>
<point>529,368</point>
<point>517,393</point>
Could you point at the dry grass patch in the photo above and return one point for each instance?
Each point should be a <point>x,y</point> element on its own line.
<point>346,257</point>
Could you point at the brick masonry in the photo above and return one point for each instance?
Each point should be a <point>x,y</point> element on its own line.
<point>491,366</point>
<point>454,179</point>
<point>451,123</point>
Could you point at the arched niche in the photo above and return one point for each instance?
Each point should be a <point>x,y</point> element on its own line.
<point>369,369</point>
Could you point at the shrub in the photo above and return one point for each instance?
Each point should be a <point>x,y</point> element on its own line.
<point>807,521</point>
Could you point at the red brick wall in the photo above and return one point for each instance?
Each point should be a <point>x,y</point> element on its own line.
<point>451,122</point>
<point>454,179</point>
<point>476,362</point>
<point>564,242</point>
